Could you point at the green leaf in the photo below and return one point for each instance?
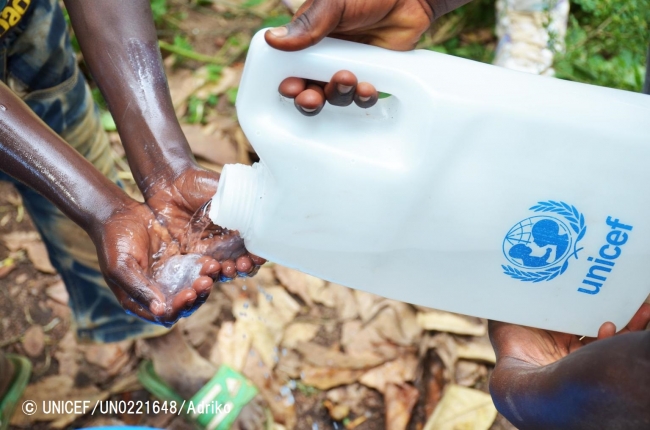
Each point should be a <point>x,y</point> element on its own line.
<point>98,98</point>
<point>158,9</point>
<point>182,42</point>
<point>252,3</point>
<point>276,21</point>
<point>438,48</point>
<point>212,100</point>
<point>214,72</point>
<point>107,121</point>
<point>195,110</point>
<point>231,93</point>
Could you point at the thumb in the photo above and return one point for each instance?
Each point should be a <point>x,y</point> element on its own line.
<point>313,21</point>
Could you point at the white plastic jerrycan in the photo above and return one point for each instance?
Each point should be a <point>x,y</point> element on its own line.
<point>473,189</point>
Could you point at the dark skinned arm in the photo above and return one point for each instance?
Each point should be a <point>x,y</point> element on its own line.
<point>549,380</point>
<point>125,232</point>
<point>119,43</point>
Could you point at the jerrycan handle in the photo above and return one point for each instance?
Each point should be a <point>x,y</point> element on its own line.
<point>266,116</point>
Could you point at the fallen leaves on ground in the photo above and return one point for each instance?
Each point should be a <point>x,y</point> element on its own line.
<point>30,242</point>
<point>291,333</point>
<point>463,408</point>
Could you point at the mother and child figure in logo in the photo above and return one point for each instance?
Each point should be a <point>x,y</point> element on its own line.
<point>539,381</point>
<point>544,233</point>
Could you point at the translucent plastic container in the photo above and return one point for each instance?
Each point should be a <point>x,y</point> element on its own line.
<point>473,189</point>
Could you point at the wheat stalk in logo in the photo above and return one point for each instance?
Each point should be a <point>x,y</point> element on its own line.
<point>575,220</point>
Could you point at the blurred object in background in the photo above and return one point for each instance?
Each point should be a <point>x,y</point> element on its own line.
<point>293,5</point>
<point>530,33</point>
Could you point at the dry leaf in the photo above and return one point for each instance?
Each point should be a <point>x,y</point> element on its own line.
<point>451,323</point>
<point>276,300</point>
<point>211,144</point>
<point>233,344</point>
<point>299,283</point>
<point>400,400</point>
<point>368,304</point>
<point>469,373</point>
<point>107,355</point>
<point>196,327</point>
<point>265,332</point>
<point>433,382</point>
<point>16,240</point>
<point>289,366</point>
<point>324,378</point>
<point>359,340</point>
<point>37,253</point>
<point>462,408</point>
<point>182,84</point>
<point>337,412</point>
<point>58,292</point>
<point>476,349</point>
<point>68,355</point>
<point>6,267</point>
<point>230,77</point>
<point>265,276</point>
<point>396,372</point>
<point>353,395</point>
<point>345,304</point>
<point>349,332</point>
<point>34,341</point>
<point>397,322</point>
<point>282,407</point>
<point>320,356</point>
<point>299,332</point>
<point>293,5</point>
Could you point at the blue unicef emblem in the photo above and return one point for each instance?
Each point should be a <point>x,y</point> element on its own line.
<point>539,247</point>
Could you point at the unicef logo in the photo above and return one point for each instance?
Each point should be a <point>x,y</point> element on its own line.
<point>539,247</point>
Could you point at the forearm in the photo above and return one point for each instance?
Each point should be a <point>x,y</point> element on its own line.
<point>603,385</point>
<point>33,154</point>
<point>119,44</point>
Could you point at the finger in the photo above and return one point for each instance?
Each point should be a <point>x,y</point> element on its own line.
<point>340,90</point>
<point>228,269</point>
<point>315,20</point>
<point>198,302</point>
<point>244,264</point>
<point>497,338</point>
<point>258,261</point>
<point>132,307</point>
<point>641,319</point>
<point>202,286</point>
<point>606,330</point>
<point>311,101</point>
<point>210,267</point>
<point>133,282</point>
<point>291,87</point>
<point>366,95</point>
<point>182,302</point>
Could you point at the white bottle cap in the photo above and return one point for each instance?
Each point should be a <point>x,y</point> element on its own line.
<point>234,203</point>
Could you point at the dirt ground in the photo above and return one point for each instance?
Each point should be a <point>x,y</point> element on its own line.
<point>323,356</point>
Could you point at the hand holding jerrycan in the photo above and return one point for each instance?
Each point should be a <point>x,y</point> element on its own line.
<point>472,189</point>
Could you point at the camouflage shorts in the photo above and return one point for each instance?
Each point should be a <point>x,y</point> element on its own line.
<point>38,63</point>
